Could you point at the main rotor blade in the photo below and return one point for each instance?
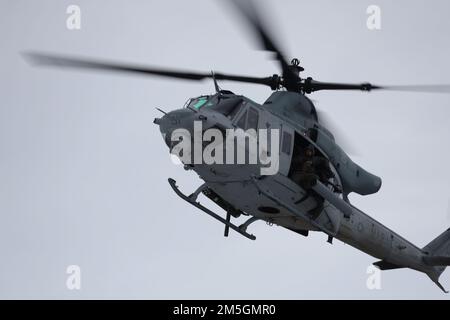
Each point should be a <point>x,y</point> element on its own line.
<point>59,61</point>
<point>248,9</point>
<point>426,88</point>
<point>311,85</point>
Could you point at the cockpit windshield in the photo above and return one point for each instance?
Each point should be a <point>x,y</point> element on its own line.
<point>227,105</point>
<point>199,102</point>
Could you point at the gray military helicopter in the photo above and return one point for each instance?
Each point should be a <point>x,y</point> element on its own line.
<point>310,190</point>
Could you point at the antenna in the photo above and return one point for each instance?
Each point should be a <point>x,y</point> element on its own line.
<point>216,85</point>
<point>161,110</point>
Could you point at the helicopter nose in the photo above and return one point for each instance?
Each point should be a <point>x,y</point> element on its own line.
<point>177,119</point>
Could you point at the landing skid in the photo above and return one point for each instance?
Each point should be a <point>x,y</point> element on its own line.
<point>192,200</point>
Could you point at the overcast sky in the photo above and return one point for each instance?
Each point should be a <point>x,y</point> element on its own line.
<point>83,171</point>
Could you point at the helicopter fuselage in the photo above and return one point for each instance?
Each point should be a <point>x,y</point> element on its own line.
<point>277,198</point>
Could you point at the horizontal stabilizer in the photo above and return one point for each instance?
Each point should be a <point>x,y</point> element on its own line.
<point>384,265</point>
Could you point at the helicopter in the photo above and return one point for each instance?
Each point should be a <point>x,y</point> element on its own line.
<point>314,175</point>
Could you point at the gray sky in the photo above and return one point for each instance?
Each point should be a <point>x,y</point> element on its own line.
<point>83,171</point>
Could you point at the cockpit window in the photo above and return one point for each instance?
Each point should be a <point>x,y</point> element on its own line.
<point>228,106</point>
<point>200,102</point>
<point>197,103</point>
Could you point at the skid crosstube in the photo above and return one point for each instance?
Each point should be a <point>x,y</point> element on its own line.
<point>172,183</point>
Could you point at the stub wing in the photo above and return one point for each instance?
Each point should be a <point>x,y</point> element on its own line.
<point>384,265</point>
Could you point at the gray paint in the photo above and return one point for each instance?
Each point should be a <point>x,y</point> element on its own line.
<point>246,190</point>
<point>78,151</point>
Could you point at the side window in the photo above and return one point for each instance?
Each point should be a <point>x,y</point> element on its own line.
<point>229,107</point>
<point>286,144</point>
<point>242,120</point>
<point>252,119</point>
<point>233,112</point>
